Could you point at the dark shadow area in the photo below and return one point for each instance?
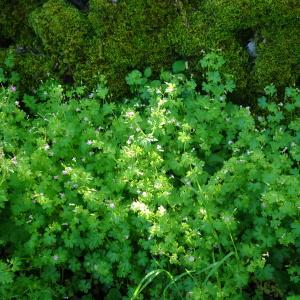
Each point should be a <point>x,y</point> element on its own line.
<point>67,79</point>
<point>6,42</point>
<point>80,4</point>
<point>243,36</point>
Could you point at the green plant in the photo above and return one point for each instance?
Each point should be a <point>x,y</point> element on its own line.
<point>98,198</point>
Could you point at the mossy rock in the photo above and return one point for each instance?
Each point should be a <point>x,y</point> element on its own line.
<point>62,32</point>
<point>228,25</point>
<point>114,38</point>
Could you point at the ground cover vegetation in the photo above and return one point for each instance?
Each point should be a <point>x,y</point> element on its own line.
<point>172,193</point>
<point>77,40</point>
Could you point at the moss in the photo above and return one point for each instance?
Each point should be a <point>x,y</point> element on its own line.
<point>131,34</point>
<point>279,57</point>
<point>227,25</point>
<point>34,69</point>
<point>13,18</point>
<point>62,32</point>
<point>113,38</point>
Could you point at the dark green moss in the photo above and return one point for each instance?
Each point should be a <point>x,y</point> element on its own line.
<point>113,38</point>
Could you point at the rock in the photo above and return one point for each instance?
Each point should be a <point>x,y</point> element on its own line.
<point>251,48</point>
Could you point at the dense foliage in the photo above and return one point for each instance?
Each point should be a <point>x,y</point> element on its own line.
<point>173,193</point>
<point>114,36</point>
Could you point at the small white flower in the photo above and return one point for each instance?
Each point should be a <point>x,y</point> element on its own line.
<point>111,205</point>
<point>91,95</point>
<point>14,160</point>
<point>161,210</point>
<point>191,258</point>
<point>77,109</point>
<point>230,142</point>
<point>159,148</point>
<point>203,211</point>
<point>260,118</point>
<point>74,159</point>
<point>129,114</point>
<point>130,139</point>
<point>46,147</point>
<point>55,257</point>
<point>90,142</point>
<point>227,219</point>
<point>158,185</point>
<point>17,103</point>
<point>55,177</point>
<point>140,207</point>
<point>67,170</point>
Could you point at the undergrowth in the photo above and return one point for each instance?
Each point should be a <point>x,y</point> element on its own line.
<point>175,193</point>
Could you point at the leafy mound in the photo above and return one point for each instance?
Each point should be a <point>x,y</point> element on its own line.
<point>100,199</point>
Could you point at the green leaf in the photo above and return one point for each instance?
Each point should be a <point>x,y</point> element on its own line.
<point>14,77</point>
<point>134,78</point>
<point>102,91</point>
<point>5,274</point>
<point>9,60</point>
<point>80,90</point>
<point>230,85</point>
<point>2,76</point>
<point>290,92</point>
<point>262,102</point>
<point>270,90</point>
<point>214,76</point>
<point>165,76</point>
<point>148,72</point>
<point>179,66</point>
<point>212,61</point>
<point>147,280</point>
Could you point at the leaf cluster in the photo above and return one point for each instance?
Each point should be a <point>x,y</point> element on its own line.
<point>176,181</point>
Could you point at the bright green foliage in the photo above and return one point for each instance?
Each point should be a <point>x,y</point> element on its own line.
<point>172,194</point>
